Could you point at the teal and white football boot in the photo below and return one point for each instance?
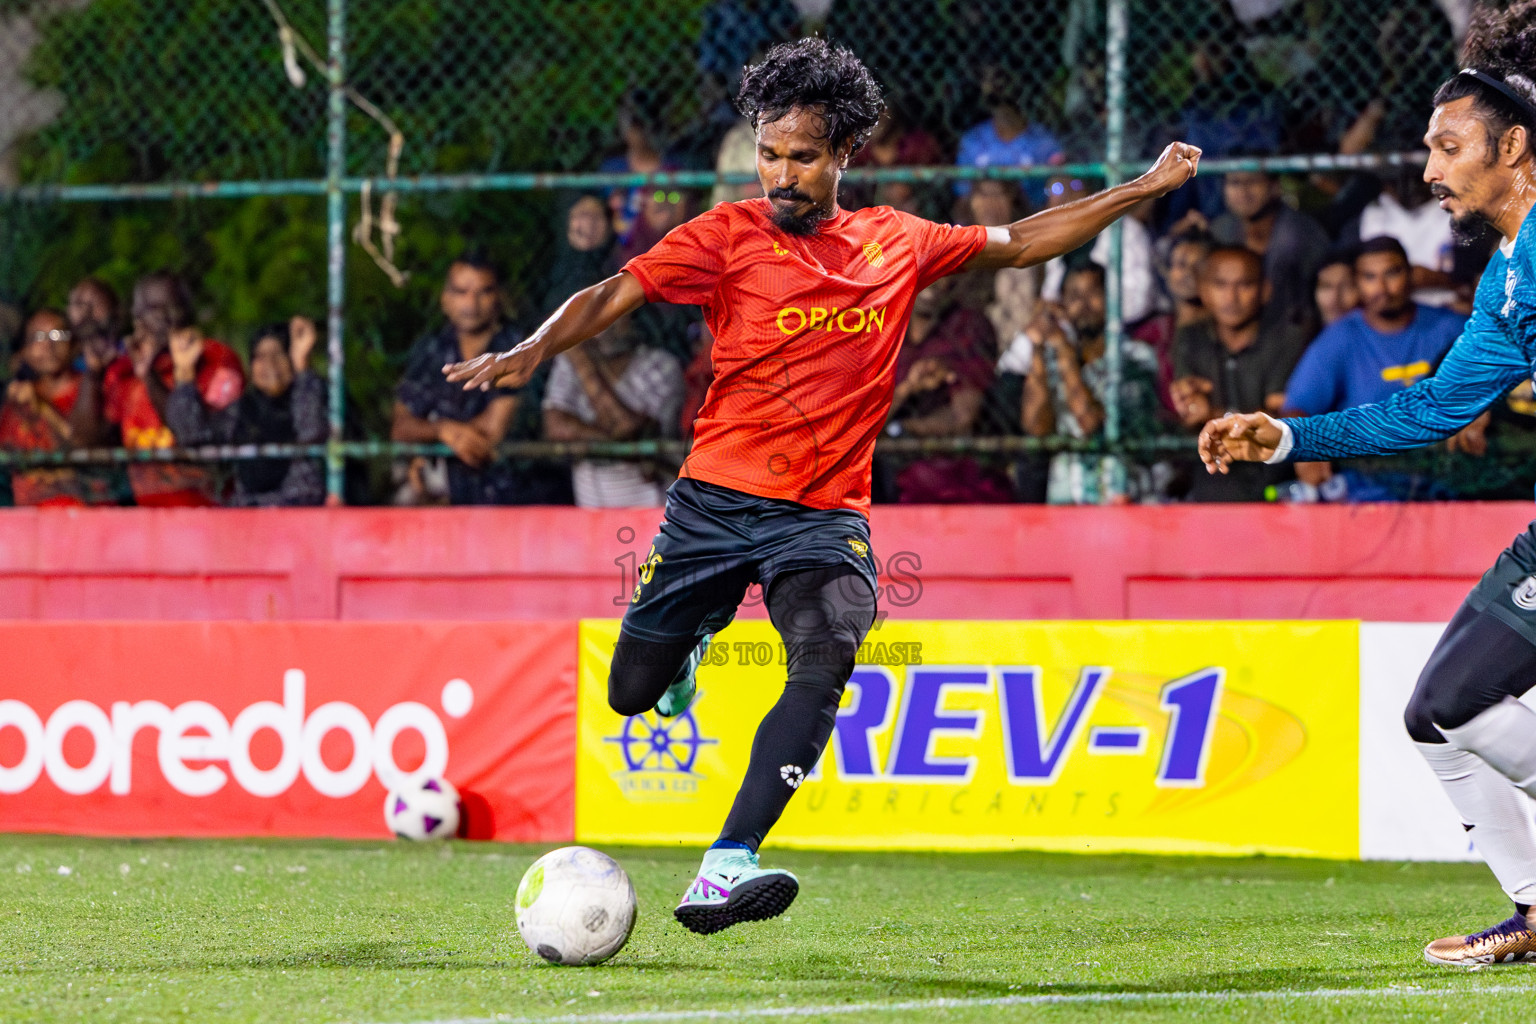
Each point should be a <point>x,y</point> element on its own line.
<point>685,687</point>
<point>730,889</point>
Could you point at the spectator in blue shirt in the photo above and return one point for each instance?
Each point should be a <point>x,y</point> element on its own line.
<point>1387,344</point>
<point>1390,342</point>
<point>1007,138</point>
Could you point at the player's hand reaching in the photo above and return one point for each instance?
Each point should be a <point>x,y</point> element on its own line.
<point>1238,437</point>
<point>1175,167</point>
<point>509,369</point>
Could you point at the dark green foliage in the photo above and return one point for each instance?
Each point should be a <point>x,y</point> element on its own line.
<point>196,91</point>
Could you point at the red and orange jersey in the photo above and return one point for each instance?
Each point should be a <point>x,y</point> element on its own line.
<point>126,402</point>
<point>807,330</point>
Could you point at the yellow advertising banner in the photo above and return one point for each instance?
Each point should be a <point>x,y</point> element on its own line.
<point>1212,737</point>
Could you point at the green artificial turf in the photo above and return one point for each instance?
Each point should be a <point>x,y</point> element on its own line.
<point>273,930</point>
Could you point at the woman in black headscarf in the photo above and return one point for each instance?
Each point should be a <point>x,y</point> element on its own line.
<point>284,403</point>
<point>584,251</point>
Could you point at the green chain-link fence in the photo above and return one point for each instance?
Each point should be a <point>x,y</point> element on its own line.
<point>268,148</point>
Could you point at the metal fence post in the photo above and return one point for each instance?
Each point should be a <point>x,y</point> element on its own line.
<point>336,241</point>
<point>1114,154</point>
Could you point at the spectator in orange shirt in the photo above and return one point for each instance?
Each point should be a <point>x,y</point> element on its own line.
<point>41,413</point>
<point>165,350</point>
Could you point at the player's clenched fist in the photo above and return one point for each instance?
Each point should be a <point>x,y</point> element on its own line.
<point>1238,437</point>
<point>1175,167</point>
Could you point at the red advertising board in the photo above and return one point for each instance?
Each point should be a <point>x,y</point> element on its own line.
<point>1403,562</point>
<point>288,728</point>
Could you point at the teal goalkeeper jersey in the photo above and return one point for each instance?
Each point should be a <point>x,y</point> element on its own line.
<point>1496,351</point>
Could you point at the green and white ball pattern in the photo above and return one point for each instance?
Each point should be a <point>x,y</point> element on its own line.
<point>575,906</point>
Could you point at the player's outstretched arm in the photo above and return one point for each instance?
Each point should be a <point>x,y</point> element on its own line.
<point>1052,233</point>
<point>589,312</point>
<point>1480,368</point>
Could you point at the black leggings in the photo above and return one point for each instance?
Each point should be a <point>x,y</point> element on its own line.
<point>822,615</point>
<point>1477,663</point>
<point>642,670</point>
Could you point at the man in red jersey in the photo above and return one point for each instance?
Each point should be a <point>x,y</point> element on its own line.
<point>808,305</point>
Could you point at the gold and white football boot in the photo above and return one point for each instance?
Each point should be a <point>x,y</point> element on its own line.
<point>1508,942</point>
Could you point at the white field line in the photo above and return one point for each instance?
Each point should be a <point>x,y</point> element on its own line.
<point>1043,999</point>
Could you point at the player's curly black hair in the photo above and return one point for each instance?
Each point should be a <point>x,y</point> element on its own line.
<point>1500,43</point>
<point>812,75</point>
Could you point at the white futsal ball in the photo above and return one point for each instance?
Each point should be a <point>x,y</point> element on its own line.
<point>425,808</point>
<point>575,906</point>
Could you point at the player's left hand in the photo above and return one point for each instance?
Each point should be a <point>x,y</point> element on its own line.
<point>1176,166</point>
<point>509,369</point>
<point>1238,437</point>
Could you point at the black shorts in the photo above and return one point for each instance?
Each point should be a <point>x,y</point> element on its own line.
<point>715,542</point>
<point>1488,651</point>
<point>1508,590</point>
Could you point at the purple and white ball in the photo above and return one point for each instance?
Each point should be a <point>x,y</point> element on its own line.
<point>423,808</point>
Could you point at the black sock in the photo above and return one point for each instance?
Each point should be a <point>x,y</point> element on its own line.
<point>786,748</point>
<point>822,614</point>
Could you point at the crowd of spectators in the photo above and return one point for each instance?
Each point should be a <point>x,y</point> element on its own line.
<point>1297,295</point>
<point>78,382</point>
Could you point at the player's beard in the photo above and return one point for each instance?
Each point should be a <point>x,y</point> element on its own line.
<point>791,223</point>
<point>1469,229</point>
<point>1472,230</point>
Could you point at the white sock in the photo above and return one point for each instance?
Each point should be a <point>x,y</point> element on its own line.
<point>1505,737</point>
<point>1500,817</point>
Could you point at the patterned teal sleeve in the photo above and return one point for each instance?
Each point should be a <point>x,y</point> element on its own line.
<point>1483,365</point>
<point>1519,282</point>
